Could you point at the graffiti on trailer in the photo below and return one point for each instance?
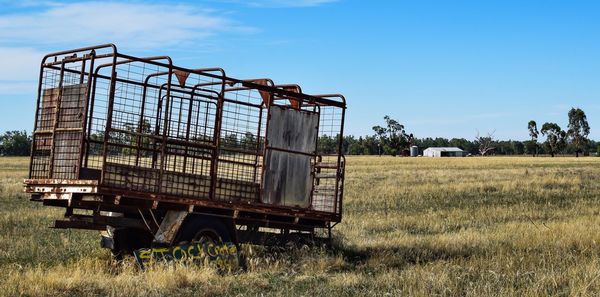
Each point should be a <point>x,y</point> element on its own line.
<point>224,256</point>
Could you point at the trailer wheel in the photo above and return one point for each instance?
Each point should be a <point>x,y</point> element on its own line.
<point>127,240</point>
<point>200,228</point>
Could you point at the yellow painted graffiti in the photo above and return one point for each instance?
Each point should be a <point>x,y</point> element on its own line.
<point>223,256</point>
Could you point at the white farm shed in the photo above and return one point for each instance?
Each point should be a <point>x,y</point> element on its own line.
<point>444,152</point>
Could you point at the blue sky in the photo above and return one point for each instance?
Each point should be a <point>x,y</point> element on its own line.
<point>442,68</point>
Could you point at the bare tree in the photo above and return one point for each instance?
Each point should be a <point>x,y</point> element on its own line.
<point>485,143</point>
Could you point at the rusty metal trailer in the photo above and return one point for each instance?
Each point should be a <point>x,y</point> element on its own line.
<point>149,152</point>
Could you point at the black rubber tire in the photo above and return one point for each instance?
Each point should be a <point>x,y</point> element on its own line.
<point>196,226</point>
<point>127,240</point>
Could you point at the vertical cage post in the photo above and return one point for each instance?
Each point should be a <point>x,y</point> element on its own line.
<point>83,151</point>
<point>109,115</point>
<point>56,118</point>
<point>216,139</point>
<point>163,150</point>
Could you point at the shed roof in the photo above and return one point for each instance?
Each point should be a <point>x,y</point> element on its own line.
<point>445,149</point>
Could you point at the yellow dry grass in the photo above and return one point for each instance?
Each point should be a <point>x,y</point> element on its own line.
<point>496,226</point>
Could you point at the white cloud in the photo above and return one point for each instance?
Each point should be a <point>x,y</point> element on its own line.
<point>20,70</point>
<point>133,26</point>
<point>17,88</point>
<point>19,63</point>
<point>25,36</point>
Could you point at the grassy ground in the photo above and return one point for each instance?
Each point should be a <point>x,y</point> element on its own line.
<point>450,227</point>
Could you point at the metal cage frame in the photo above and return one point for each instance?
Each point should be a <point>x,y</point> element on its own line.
<point>146,129</point>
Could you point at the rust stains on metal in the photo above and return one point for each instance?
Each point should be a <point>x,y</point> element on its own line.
<point>181,77</point>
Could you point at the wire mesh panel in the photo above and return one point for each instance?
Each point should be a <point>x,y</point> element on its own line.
<point>132,123</point>
<point>190,143</point>
<point>328,167</point>
<point>161,130</point>
<point>242,133</point>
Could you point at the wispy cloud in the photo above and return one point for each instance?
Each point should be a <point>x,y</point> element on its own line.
<point>281,3</point>
<point>132,25</point>
<point>19,63</point>
<point>20,68</point>
<point>27,34</point>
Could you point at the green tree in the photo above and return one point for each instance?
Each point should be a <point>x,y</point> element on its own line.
<point>327,145</point>
<point>380,134</point>
<point>15,143</point>
<point>553,135</point>
<point>563,142</point>
<point>393,138</point>
<point>578,129</point>
<point>518,147</point>
<point>533,132</point>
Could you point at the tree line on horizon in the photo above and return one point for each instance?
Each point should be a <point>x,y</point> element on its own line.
<point>393,139</point>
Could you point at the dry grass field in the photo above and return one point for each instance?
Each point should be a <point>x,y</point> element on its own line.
<point>412,226</point>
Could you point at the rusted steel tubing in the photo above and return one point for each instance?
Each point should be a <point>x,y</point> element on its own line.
<point>85,117</point>
<point>165,135</point>
<point>259,207</point>
<point>96,75</point>
<point>258,146</point>
<point>292,151</point>
<point>37,113</point>
<point>76,59</point>
<point>127,61</point>
<point>107,45</point>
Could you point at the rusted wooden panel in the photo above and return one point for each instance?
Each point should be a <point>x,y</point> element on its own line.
<point>66,155</point>
<point>288,179</point>
<point>291,135</point>
<point>292,129</point>
<point>40,167</point>
<point>69,131</point>
<point>170,226</point>
<point>72,103</point>
<point>48,109</point>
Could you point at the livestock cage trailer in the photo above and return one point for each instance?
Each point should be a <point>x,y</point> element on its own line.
<point>148,152</point>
